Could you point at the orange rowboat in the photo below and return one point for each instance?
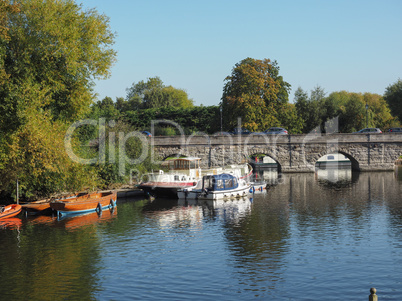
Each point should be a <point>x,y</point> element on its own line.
<point>87,203</point>
<point>42,206</point>
<point>10,211</point>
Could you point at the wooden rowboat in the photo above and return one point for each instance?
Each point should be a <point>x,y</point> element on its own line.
<point>42,206</point>
<point>10,211</point>
<point>87,203</point>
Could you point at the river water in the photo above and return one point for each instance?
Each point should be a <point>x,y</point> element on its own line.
<point>310,237</point>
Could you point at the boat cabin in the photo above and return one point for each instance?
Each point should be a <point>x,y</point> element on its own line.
<point>183,163</point>
<point>219,182</point>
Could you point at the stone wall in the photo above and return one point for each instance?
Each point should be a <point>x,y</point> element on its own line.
<point>293,153</point>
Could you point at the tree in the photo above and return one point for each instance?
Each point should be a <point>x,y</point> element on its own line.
<point>379,112</point>
<point>350,108</point>
<point>154,94</point>
<point>290,119</point>
<point>51,52</point>
<point>353,118</point>
<point>393,96</point>
<point>310,109</point>
<point>254,92</point>
<point>105,108</point>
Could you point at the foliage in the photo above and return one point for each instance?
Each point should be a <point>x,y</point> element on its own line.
<point>310,109</point>
<point>393,97</point>
<point>348,107</point>
<point>290,120</point>
<point>50,53</point>
<point>36,156</point>
<point>189,120</point>
<point>254,92</point>
<point>154,94</point>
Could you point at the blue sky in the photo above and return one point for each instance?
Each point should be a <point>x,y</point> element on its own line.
<point>193,45</point>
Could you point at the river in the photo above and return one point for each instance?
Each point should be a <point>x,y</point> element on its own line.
<point>309,237</point>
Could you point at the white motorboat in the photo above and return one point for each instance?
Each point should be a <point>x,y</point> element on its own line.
<point>215,187</point>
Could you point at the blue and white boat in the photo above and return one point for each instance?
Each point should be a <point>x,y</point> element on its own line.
<point>217,187</point>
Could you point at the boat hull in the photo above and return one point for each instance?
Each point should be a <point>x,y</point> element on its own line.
<point>43,206</point>
<point>165,189</point>
<point>10,211</point>
<point>90,203</point>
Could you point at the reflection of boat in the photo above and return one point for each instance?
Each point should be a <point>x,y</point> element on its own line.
<point>258,187</point>
<point>42,219</point>
<point>42,206</point>
<point>12,222</point>
<point>10,210</point>
<point>334,175</point>
<point>213,187</point>
<point>72,221</point>
<point>86,203</point>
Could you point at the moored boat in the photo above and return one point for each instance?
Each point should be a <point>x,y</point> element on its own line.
<point>183,173</point>
<point>43,206</point>
<point>215,187</point>
<point>10,211</point>
<point>86,203</point>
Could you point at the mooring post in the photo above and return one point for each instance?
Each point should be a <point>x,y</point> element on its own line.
<point>373,296</point>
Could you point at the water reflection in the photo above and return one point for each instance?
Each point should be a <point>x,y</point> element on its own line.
<point>308,233</point>
<point>336,178</point>
<point>10,223</point>
<point>270,176</point>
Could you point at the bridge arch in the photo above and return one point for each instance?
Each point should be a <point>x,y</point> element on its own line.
<point>264,160</point>
<point>353,161</point>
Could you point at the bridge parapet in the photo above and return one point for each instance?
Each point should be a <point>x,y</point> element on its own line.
<point>293,153</point>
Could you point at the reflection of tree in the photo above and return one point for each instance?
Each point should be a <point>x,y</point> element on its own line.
<point>44,260</point>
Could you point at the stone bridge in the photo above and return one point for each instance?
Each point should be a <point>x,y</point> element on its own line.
<point>293,153</point>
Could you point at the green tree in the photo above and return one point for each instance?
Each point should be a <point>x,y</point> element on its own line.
<point>51,52</point>
<point>290,119</point>
<point>254,92</point>
<point>310,109</point>
<point>105,108</point>
<point>353,116</point>
<point>393,96</point>
<point>154,94</point>
<point>379,112</point>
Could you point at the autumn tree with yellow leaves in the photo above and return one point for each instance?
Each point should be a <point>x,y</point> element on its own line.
<point>256,93</point>
<point>50,53</point>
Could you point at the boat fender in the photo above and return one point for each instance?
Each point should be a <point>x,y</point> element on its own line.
<point>112,203</point>
<point>99,207</point>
